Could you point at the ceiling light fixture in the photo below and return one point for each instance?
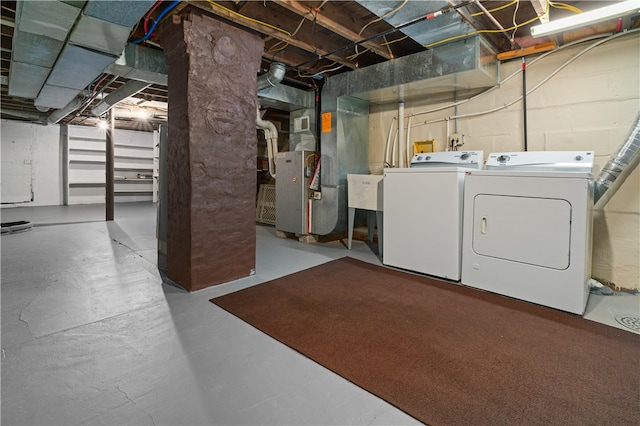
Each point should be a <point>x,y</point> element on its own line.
<point>102,124</point>
<point>606,13</point>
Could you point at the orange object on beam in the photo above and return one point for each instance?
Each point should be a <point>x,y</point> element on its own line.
<point>538,48</point>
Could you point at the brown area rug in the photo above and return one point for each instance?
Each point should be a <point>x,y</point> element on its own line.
<point>448,354</point>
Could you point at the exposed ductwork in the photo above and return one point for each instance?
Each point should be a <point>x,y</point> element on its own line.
<point>426,31</point>
<point>141,63</point>
<point>619,167</point>
<point>130,88</point>
<point>33,117</point>
<point>457,69</point>
<point>270,79</point>
<point>52,37</point>
<point>273,77</point>
<point>59,114</point>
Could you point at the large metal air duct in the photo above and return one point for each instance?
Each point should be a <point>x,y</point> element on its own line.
<point>619,167</point>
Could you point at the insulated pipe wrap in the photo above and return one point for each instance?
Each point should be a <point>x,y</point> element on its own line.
<point>618,167</point>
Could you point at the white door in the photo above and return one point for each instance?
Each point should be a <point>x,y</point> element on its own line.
<point>534,231</point>
<point>16,171</point>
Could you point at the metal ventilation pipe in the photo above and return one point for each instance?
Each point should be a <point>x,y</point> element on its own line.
<point>618,168</point>
<point>61,113</point>
<point>34,117</point>
<point>130,88</point>
<point>273,77</point>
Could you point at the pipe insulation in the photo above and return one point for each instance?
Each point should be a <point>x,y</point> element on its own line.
<point>272,77</point>
<point>619,167</point>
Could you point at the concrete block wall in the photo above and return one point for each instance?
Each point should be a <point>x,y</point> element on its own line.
<point>590,104</point>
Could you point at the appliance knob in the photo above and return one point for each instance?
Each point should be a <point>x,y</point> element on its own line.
<point>503,158</point>
<point>464,156</point>
<point>428,157</point>
<point>419,157</point>
<point>578,158</point>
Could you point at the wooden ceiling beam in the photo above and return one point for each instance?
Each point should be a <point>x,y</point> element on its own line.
<point>322,20</point>
<point>226,14</point>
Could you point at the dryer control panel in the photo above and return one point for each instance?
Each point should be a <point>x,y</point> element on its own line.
<point>548,161</point>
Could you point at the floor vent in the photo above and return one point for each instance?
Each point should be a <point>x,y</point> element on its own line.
<point>630,321</point>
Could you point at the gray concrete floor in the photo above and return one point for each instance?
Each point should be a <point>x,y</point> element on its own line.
<point>91,336</point>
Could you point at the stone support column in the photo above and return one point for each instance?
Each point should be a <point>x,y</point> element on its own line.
<point>212,142</point>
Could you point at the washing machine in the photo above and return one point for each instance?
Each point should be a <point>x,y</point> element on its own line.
<point>423,212</point>
<point>528,226</point>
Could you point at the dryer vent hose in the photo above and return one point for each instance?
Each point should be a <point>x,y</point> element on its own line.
<point>618,168</point>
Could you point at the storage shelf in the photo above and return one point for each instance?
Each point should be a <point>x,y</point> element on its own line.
<point>134,157</point>
<point>122,145</point>
<point>86,184</point>
<point>87,149</point>
<point>87,161</point>
<point>135,169</point>
<point>86,138</point>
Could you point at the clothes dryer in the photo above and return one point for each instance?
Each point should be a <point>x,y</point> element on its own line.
<point>423,213</point>
<point>528,227</point>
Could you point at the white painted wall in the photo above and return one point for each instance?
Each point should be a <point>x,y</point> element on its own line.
<point>45,160</point>
<point>590,104</point>
<point>32,158</point>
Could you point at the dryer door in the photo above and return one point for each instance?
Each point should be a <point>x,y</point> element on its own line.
<point>534,231</point>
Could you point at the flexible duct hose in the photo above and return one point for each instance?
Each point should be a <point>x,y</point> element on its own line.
<point>619,167</point>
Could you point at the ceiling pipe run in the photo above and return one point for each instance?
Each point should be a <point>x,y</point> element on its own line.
<point>61,113</point>
<point>35,118</point>
<point>130,88</point>
<point>618,168</point>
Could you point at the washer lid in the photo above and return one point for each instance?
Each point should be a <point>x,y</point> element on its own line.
<point>467,159</point>
<point>549,161</point>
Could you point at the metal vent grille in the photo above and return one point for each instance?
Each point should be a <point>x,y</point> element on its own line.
<point>266,206</point>
<point>630,321</point>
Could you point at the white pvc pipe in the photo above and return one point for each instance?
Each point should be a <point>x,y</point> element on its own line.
<point>271,136</point>
<point>408,144</point>
<point>387,147</point>
<point>393,152</point>
<point>448,135</point>
<point>401,140</point>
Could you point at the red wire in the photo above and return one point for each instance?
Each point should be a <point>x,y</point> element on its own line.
<point>148,15</point>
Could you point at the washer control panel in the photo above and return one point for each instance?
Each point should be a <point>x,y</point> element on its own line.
<point>468,159</point>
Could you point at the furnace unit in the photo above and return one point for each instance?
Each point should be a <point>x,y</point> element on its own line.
<point>292,191</point>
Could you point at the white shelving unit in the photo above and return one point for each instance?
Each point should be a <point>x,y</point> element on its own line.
<point>134,165</point>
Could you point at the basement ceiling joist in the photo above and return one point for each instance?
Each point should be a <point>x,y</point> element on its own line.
<point>316,39</point>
